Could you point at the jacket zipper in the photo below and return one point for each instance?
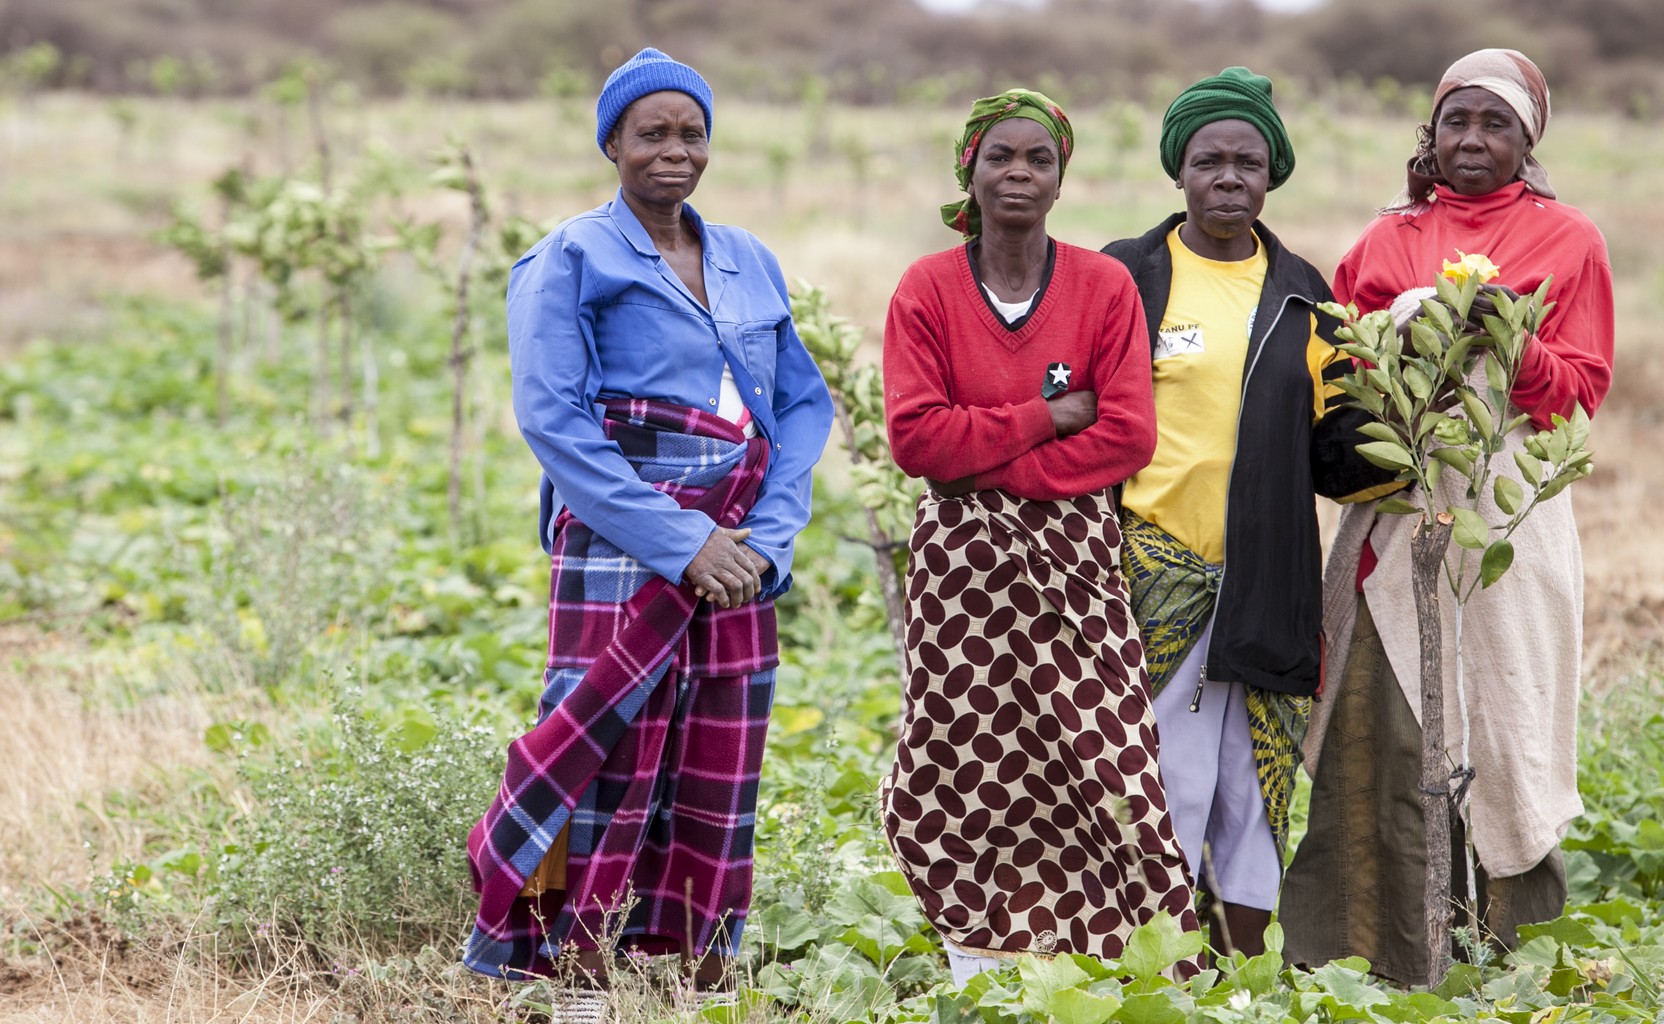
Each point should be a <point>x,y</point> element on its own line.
<point>1242,403</point>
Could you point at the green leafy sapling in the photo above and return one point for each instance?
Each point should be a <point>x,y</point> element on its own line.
<point>1438,389</point>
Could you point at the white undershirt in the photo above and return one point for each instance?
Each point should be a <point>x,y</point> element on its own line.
<point>1010,312</point>
<point>729,405</point>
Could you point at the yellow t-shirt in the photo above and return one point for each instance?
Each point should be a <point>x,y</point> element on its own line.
<point>1197,367</point>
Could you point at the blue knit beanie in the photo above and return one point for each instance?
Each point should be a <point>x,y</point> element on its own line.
<point>647,72</point>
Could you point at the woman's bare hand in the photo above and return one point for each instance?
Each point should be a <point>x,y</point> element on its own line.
<point>1484,304</point>
<point>952,488</point>
<point>1073,411</point>
<point>724,571</point>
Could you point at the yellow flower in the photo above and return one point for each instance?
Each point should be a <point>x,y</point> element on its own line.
<point>1471,264</point>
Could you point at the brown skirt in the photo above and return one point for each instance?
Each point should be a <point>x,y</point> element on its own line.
<point>1358,880</point>
<point>1026,807</point>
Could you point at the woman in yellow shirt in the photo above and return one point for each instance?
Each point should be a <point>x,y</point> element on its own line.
<point>1222,548</point>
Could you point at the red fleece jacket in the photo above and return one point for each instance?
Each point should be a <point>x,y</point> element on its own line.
<point>1528,238</point>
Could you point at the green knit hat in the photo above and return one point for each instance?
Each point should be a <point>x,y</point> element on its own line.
<point>1235,94</point>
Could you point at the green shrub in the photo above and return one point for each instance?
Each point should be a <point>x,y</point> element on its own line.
<point>289,561</point>
<point>361,845</point>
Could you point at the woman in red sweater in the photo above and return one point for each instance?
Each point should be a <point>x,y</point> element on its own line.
<point>1025,806</point>
<point>1355,887</point>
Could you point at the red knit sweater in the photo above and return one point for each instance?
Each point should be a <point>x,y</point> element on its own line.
<point>962,392</point>
<point>1528,238</point>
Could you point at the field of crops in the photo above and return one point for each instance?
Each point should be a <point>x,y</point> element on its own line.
<point>260,646</point>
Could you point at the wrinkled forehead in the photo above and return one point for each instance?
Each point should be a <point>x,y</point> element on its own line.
<point>1509,92</point>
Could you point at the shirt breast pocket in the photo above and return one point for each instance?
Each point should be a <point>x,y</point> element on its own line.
<point>759,344</point>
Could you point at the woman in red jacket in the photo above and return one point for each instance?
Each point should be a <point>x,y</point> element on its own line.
<point>1025,806</point>
<point>1355,887</point>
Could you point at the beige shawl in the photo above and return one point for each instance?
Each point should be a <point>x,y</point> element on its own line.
<point>1522,646</point>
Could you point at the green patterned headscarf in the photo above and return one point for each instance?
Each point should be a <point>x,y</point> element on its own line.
<point>1235,94</point>
<point>963,216</point>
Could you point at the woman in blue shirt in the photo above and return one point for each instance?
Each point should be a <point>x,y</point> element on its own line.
<point>677,418</point>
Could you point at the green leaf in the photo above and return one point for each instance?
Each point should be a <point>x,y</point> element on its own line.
<point>1558,483</point>
<point>1530,468</point>
<point>1613,912</point>
<point>1386,454</point>
<point>1451,296</point>
<point>1559,443</point>
<point>1429,422</point>
<point>1455,361</point>
<point>784,928</point>
<point>1453,431</point>
<point>235,737</point>
<point>959,1008</point>
<point>1471,531</point>
<point>1044,979</point>
<point>1157,945</point>
<point>1470,289</point>
<point>1425,339</point>
<point>1461,980</point>
<point>1396,506</point>
<point>1077,1006</point>
<point>1478,414</point>
<point>413,728</point>
<point>1439,313</point>
<point>182,862</point>
<point>1419,383</point>
<point>1152,1008</point>
<point>1350,990</point>
<point>218,737</point>
<point>1495,375</point>
<point>1419,1007</point>
<point>1380,432</point>
<point>1455,458</point>
<point>1579,429</point>
<point>894,881</point>
<point>1508,494</point>
<point>1401,399</point>
<point>1565,929</point>
<point>1498,557</point>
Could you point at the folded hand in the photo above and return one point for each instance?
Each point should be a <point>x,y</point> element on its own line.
<point>726,571</point>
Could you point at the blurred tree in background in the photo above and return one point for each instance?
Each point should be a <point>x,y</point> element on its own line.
<point>1595,52</point>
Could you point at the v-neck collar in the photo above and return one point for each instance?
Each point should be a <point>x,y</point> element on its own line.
<point>1019,332</point>
<point>715,256</point>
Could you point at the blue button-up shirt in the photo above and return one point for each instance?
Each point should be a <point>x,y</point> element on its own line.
<point>594,312</point>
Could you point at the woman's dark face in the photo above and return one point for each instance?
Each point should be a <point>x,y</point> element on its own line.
<point>660,148</point>
<point>1479,141</point>
<point>1016,175</point>
<point>1225,174</point>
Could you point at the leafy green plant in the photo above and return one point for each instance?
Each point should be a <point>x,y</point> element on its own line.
<point>1439,393</point>
<point>858,401</point>
<point>357,841</point>
<point>290,571</point>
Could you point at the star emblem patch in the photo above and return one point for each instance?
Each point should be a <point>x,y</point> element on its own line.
<point>1056,381</point>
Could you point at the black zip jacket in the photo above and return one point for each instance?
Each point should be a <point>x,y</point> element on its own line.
<point>1268,623</point>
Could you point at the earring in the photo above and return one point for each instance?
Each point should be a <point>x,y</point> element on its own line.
<point>1177,183</point>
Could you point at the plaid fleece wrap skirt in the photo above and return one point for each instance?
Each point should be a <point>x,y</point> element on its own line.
<point>1025,807</point>
<point>650,735</point>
